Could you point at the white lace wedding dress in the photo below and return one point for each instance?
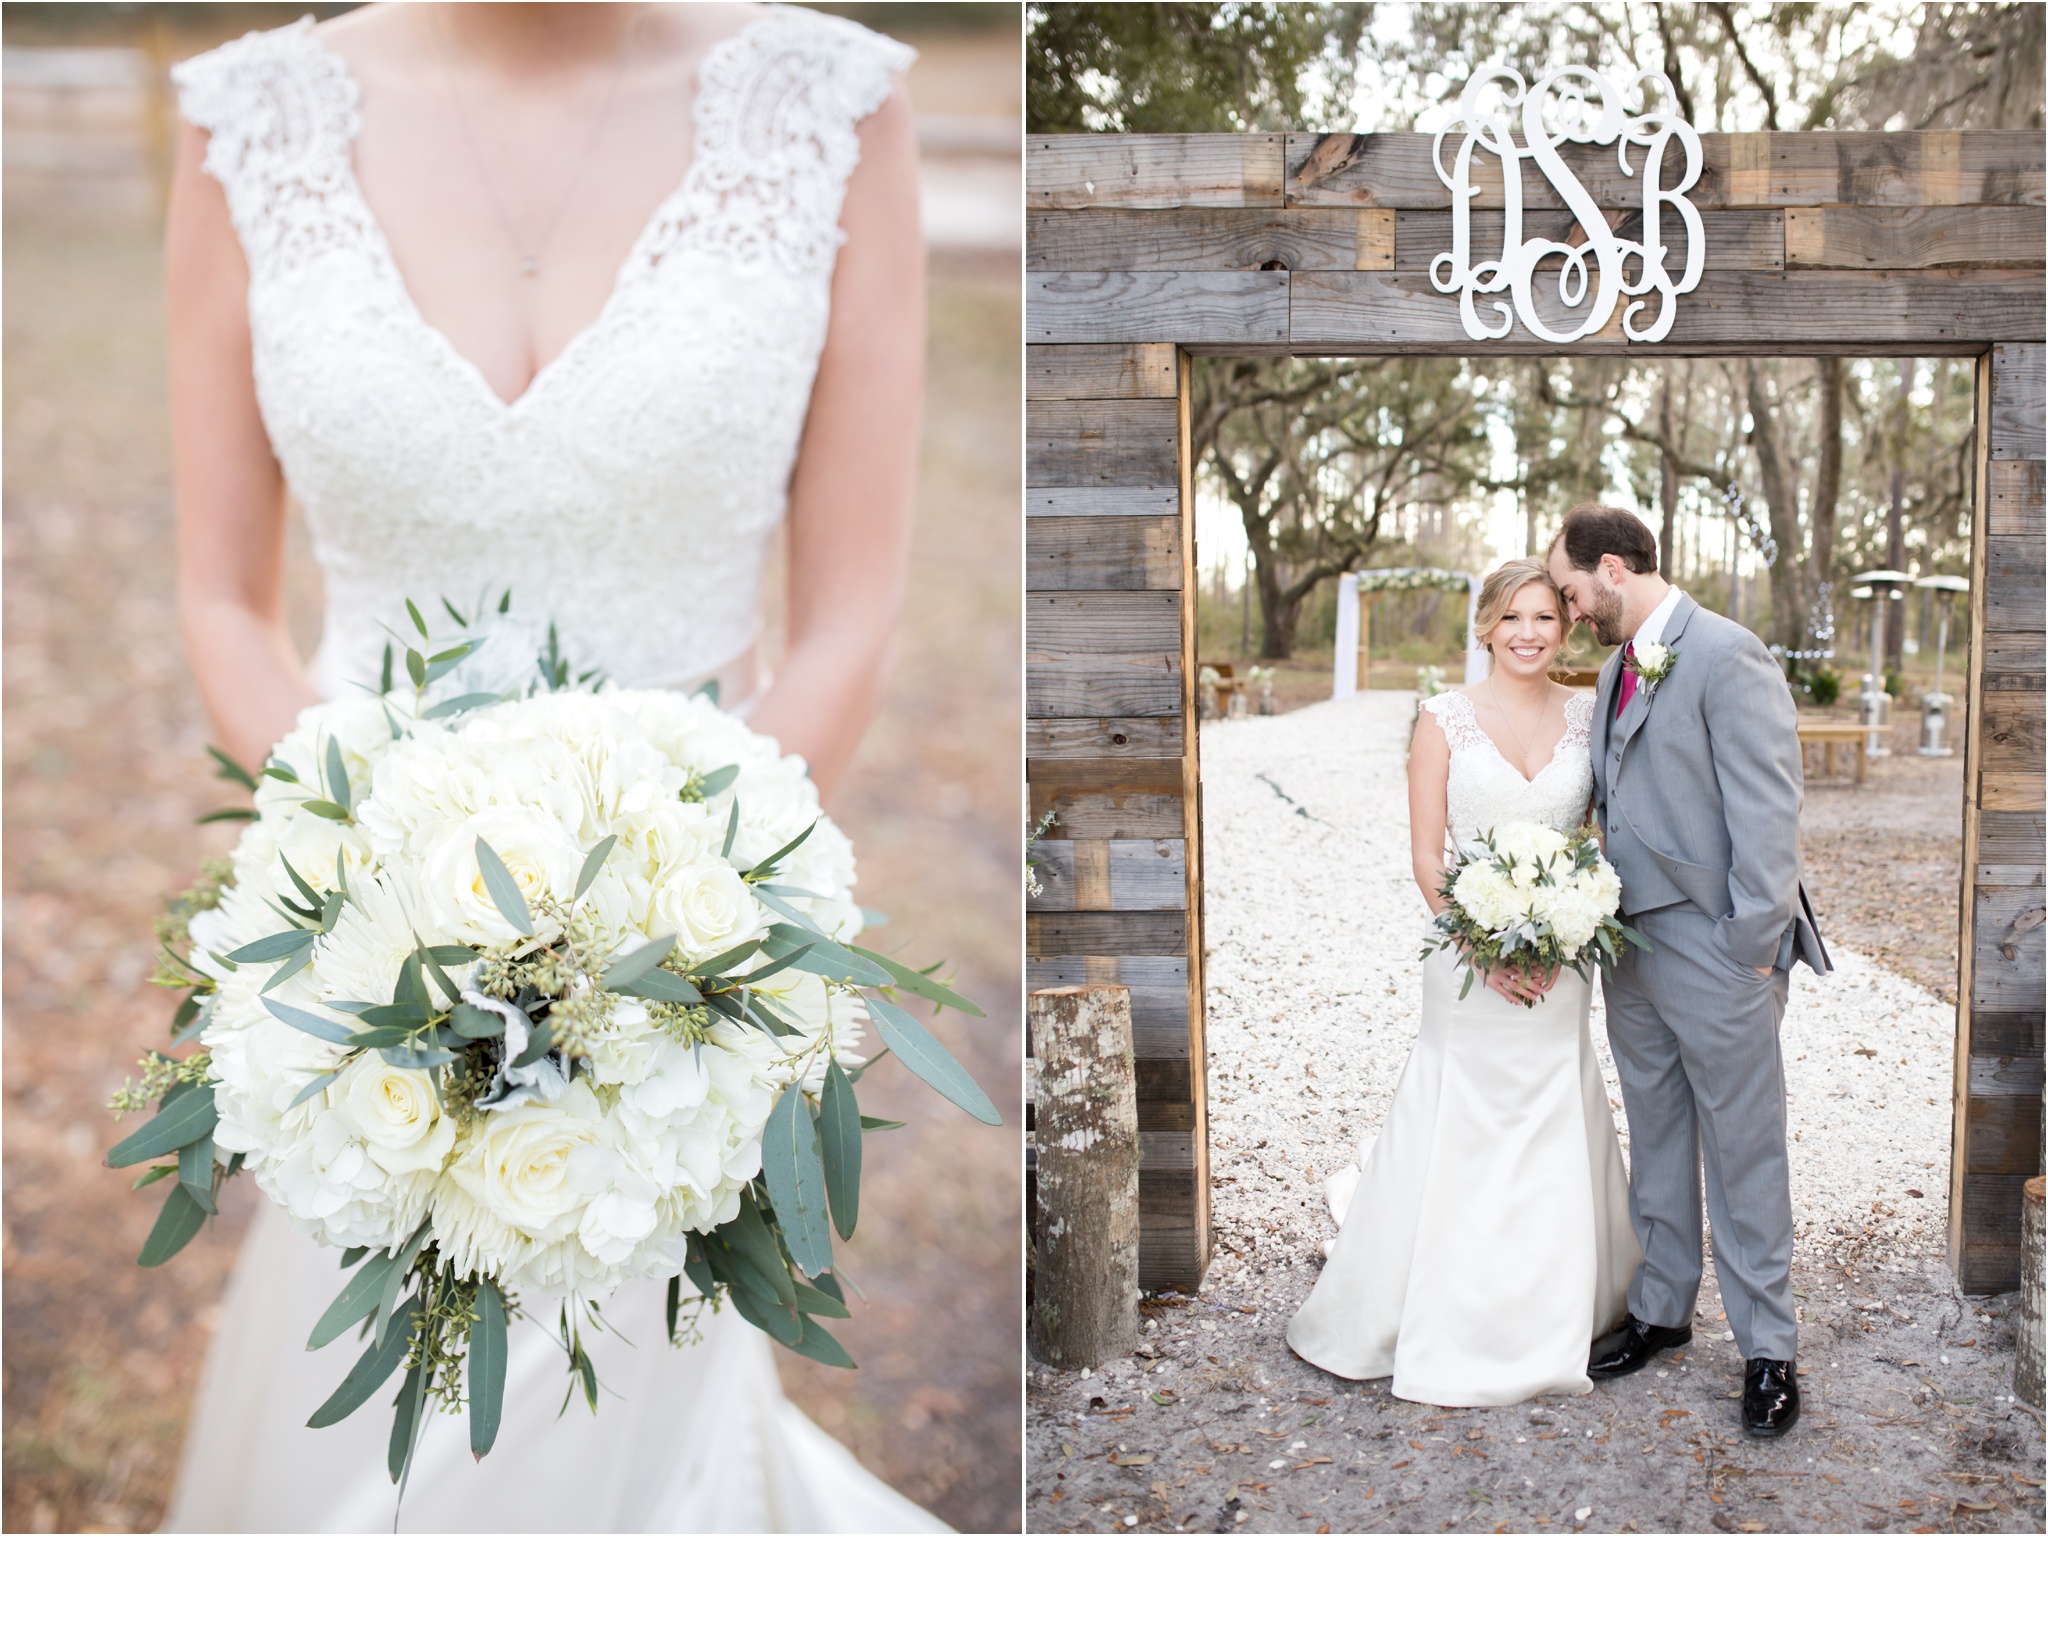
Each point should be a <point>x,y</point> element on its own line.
<point>629,494</point>
<point>1484,1238</point>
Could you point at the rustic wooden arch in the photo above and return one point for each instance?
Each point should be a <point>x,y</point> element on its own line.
<point>1146,250</point>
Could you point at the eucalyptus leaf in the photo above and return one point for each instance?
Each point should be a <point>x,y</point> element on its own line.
<point>634,964</point>
<point>289,969</point>
<point>226,766</point>
<point>327,809</point>
<point>673,1305</point>
<point>155,1173</point>
<point>780,1322</point>
<point>474,1023</point>
<point>418,623</point>
<point>228,815</point>
<point>793,1165</point>
<point>664,985</point>
<point>357,1301</point>
<point>823,956</point>
<point>819,1303</point>
<point>869,1122</point>
<point>195,1172</point>
<point>839,1137</point>
<point>350,1257</point>
<point>538,1046</point>
<point>923,986</point>
<point>337,776</point>
<point>416,1056</point>
<point>184,1121</point>
<point>773,899</point>
<point>732,828</point>
<point>371,1369</point>
<point>817,1343</point>
<point>698,1266</point>
<point>767,865</point>
<point>179,1219</point>
<point>921,1052</point>
<point>503,888</point>
<point>416,667</point>
<point>717,781</point>
<point>487,1352</point>
<point>718,963</point>
<point>458,704</point>
<point>593,861</point>
<point>405,1418</point>
<point>748,1233</point>
<point>274,947</point>
<point>396,1275</point>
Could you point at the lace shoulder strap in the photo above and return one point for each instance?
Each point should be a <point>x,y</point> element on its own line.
<point>1578,720</point>
<point>280,113</point>
<point>777,107</point>
<point>1454,714</point>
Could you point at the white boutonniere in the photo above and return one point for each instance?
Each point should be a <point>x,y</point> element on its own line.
<point>1651,663</point>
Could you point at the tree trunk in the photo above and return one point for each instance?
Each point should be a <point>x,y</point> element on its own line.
<point>1895,523</point>
<point>1278,614</point>
<point>2027,1364</point>
<point>1827,482</point>
<point>1084,1306</point>
<point>1667,483</point>
<point>1788,618</point>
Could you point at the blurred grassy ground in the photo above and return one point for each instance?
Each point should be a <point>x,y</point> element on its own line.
<point>104,773</point>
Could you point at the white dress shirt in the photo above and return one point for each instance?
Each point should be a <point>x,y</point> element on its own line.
<point>1652,628</point>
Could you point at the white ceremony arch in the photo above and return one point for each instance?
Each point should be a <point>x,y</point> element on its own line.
<point>1351,588</point>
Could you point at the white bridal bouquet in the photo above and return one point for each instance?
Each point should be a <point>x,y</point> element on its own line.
<point>516,995</point>
<point>1527,898</point>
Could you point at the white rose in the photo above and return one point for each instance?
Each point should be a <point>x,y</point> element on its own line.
<point>396,1113</point>
<point>519,1168</point>
<point>707,906</point>
<point>540,855</point>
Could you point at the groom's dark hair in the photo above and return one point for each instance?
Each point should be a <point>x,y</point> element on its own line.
<point>1591,532</point>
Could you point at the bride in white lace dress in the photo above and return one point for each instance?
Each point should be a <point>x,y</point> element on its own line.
<point>1484,1238</point>
<point>583,302</point>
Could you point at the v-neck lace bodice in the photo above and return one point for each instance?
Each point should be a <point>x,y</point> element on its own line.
<point>630,493</point>
<point>1485,788</point>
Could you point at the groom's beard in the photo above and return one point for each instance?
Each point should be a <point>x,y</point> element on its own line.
<point>1606,612</point>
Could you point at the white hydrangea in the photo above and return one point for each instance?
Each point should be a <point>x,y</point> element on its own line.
<point>603,1183</point>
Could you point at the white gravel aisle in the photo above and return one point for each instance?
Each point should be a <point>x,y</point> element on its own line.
<point>1314,930</point>
<point>1314,986</point>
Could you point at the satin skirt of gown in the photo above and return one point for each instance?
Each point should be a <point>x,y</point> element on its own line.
<point>698,1439</point>
<point>1486,1241</point>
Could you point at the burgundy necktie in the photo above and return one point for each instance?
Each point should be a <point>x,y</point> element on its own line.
<point>1627,690</point>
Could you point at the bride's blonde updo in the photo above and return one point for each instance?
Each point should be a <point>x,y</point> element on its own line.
<point>1500,589</point>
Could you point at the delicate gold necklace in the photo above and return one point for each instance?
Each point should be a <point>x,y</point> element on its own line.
<point>1521,744</point>
<point>529,260</point>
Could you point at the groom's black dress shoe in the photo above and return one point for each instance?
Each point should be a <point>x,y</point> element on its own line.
<point>1640,1342</point>
<point>1770,1397</point>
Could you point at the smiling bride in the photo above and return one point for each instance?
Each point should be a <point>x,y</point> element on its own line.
<point>1484,1237</point>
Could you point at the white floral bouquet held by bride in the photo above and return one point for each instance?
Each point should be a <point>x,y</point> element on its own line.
<point>520,994</point>
<point>1528,899</point>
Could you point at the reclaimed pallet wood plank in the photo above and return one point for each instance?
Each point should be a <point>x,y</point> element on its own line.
<point>1401,312</point>
<point>1131,685</point>
<point>1115,443</point>
<point>1207,240</point>
<point>1098,775</point>
<point>1101,554</point>
<point>1155,172</point>
<point>2013,661</point>
<point>1110,815</point>
<point>1912,236</point>
<point>1207,308</point>
<point>2016,503</point>
<point>1095,624</point>
<point>1145,370</point>
<point>2011,839</point>
<point>1103,932</point>
<point>1134,738</point>
<point>1158,500</point>
<point>2015,582</point>
<point>2017,384</point>
<point>1739,170</point>
<point>1120,875</point>
<point>2007,965</point>
<point>2013,747</point>
<point>2005,1076</point>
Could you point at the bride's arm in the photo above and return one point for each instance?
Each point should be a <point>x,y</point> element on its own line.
<point>1429,770</point>
<point>230,493</point>
<point>851,495</point>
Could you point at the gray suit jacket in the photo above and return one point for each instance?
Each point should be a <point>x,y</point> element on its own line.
<point>1705,773</point>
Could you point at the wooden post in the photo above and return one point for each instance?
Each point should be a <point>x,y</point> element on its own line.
<point>1084,1304</point>
<point>2026,1368</point>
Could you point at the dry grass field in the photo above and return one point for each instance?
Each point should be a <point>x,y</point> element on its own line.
<point>104,773</point>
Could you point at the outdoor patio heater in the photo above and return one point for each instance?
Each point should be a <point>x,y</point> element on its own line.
<point>1879,587</point>
<point>1934,705</point>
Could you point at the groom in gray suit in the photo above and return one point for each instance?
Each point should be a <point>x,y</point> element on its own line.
<point>1696,786</point>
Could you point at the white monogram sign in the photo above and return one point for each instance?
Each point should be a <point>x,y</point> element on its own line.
<point>1568,105</point>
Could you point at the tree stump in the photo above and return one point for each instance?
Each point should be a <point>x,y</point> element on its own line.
<point>1084,1305</point>
<point>2026,1368</point>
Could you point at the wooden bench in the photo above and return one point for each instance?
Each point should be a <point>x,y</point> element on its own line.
<point>1829,734</point>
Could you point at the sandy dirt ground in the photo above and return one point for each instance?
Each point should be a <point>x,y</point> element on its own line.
<point>1214,1424</point>
<point>104,775</point>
